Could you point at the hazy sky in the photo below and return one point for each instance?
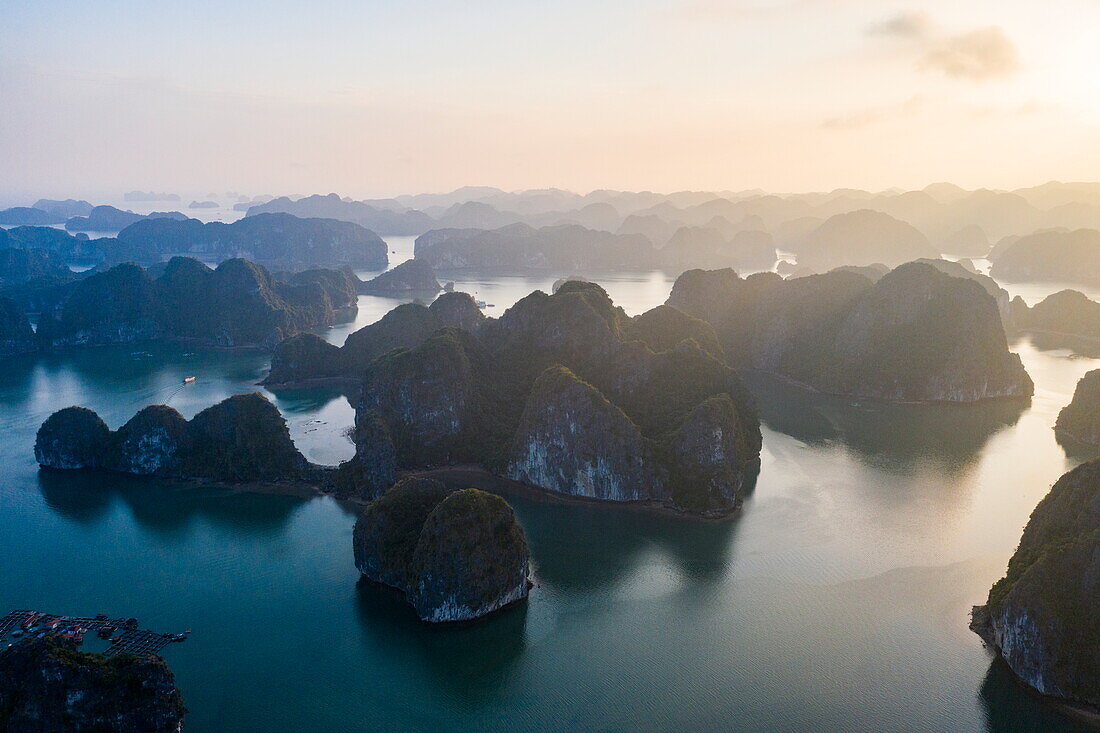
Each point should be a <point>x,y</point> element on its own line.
<point>378,98</point>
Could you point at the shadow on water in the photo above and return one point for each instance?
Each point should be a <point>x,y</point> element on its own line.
<point>472,661</point>
<point>313,399</point>
<point>581,548</point>
<point>1010,708</point>
<point>165,507</point>
<point>883,434</point>
<point>1077,451</point>
<point>1047,341</point>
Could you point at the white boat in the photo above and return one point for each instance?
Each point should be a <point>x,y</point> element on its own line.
<point>188,380</point>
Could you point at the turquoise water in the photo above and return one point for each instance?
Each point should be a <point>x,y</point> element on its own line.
<point>837,601</point>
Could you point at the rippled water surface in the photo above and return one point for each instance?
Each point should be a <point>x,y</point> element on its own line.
<point>837,601</point>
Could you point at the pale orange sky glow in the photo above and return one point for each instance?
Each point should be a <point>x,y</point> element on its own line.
<point>384,98</point>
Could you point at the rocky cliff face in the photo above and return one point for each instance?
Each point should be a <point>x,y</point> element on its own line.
<point>1041,617</point>
<point>573,441</point>
<point>424,395</point>
<point>241,439</point>
<point>456,555</point>
<point>1079,421</point>
<point>48,685</point>
<point>149,443</point>
<point>917,334</point>
<point>373,468</point>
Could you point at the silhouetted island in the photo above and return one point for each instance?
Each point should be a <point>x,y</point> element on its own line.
<point>1059,256</point>
<point>28,216</point>
<point>1063,317</point>
<point>520,247</point>
<point>457,555</point>
<point>66,209</point>
<point>917,334</point>
<point>1041,617</point>
<point>48,684</point>
<point>862,237</point>
<point>277,241</point>
<point>384,221</point>
<point>237,304</point>
<point>110,219</point>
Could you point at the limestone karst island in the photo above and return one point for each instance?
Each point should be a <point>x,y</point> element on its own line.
<point>679,365</point>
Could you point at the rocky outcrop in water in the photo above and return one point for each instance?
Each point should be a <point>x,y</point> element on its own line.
<point>276,241</point>
<point>72,438</point>
<point>917,334</point>
<point>457,555</point>
<point>16,334</point>
<point>241,439</point>
<point>566,393</point>
<point>413,276</point>
<point>306,357</point>
<point>1079,421</point>
<point>471,559</point>
<point>1041,617</point>
<point>47,685</point>
<point>237,304</point>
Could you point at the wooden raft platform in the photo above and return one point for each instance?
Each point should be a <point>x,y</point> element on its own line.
<point>123,633</point>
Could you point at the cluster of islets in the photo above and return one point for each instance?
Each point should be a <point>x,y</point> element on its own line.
<point>568,395</point>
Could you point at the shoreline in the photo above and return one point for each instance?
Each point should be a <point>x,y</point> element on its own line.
<point>879,400</point>
<point>473,476</point>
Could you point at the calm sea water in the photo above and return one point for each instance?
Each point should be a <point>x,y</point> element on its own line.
<point>838,601</point>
